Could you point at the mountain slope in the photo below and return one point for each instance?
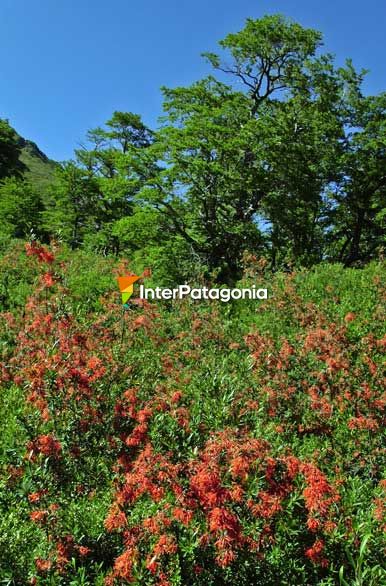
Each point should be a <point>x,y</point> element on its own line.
<point>39,169</point>
<point>23,158</point>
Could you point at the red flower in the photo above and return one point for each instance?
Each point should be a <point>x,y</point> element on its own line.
<point>83,550</point>
<point>42,565</point>
<point>137,436</point>
<point>94,362</point>
<point>313,524</point>
<point>225,558</point>
<point>165,545</point>
<point>314,553</point>
<point>35,497</point>
<point>349,317</point>
<point>240,467</point>
<point>182,515</point>
<point>318,494</point>
<point>116,519</point>
<point>152,565</point>
<point>48,280</point>
<point>146,273</point>
<point>363,423</point>
<point>207,486</point>
<point>268,505</point>
<point>220,519</point>
<point>43,255</point>
<point>123,565</point>
<point>176,397</point>
<point>46,445</point>
<point>39,517</point>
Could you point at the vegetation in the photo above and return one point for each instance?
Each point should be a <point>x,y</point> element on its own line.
<point>191,443</point>
<point>184,443</point>
<point>278,153</point>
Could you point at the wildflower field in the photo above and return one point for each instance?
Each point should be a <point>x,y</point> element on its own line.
<point>184,443</point>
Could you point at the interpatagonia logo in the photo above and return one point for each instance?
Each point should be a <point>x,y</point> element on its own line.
<point>198,293</point>
<point>126,287</point>
<point>181,291</point>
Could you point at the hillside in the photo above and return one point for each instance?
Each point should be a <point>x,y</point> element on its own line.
<point>21,157</point>
<point>190,443</point>
<point>39,169</point>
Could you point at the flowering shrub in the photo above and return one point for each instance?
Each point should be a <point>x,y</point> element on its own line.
<point>193,443</point>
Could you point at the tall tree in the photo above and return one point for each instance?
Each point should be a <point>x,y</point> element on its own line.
<point>261,146</point>
<point>20,209</point>
<point>115,159</point>
<point>96,190</point>
<point>359,215</point>
<point>72,205</point>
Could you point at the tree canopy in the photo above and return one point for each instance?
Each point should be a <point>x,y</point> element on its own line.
<point>277,153</point>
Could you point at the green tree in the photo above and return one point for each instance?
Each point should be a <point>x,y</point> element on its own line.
<point>72,205</point>
<point>114,160</point>
<point>10,150</point>
<point>359,214</point>
<point>262,147</point>
<point>96,190</point>
<point>20,209</point>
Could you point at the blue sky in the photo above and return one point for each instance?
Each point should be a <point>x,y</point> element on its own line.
<point>66,65</point>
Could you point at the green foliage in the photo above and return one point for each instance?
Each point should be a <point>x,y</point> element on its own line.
<point>40,171</point>
<point>262,152</point>
<point>302,371</point>
<point>15,290</point>
<point>71,207</point>
<point>359,216</point>
<point>278,153</point>
<point>200,443</point>
<point>10,151</point>
<point>20,209</point>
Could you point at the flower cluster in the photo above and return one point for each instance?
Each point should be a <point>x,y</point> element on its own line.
<point>200,449</point>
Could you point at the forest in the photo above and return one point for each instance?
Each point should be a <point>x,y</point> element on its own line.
<point>190,443</point>
<point>278,153</point>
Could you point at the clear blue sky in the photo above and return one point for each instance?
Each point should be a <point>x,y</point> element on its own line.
<point>66,65</point>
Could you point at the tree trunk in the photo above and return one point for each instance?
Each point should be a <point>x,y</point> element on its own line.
<point>354,253</point>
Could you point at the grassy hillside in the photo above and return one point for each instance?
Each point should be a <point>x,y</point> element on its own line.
<point>39,168</point>
<point>189,443</point>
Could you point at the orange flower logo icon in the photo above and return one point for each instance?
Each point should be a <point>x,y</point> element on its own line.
<point>126,286</point>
